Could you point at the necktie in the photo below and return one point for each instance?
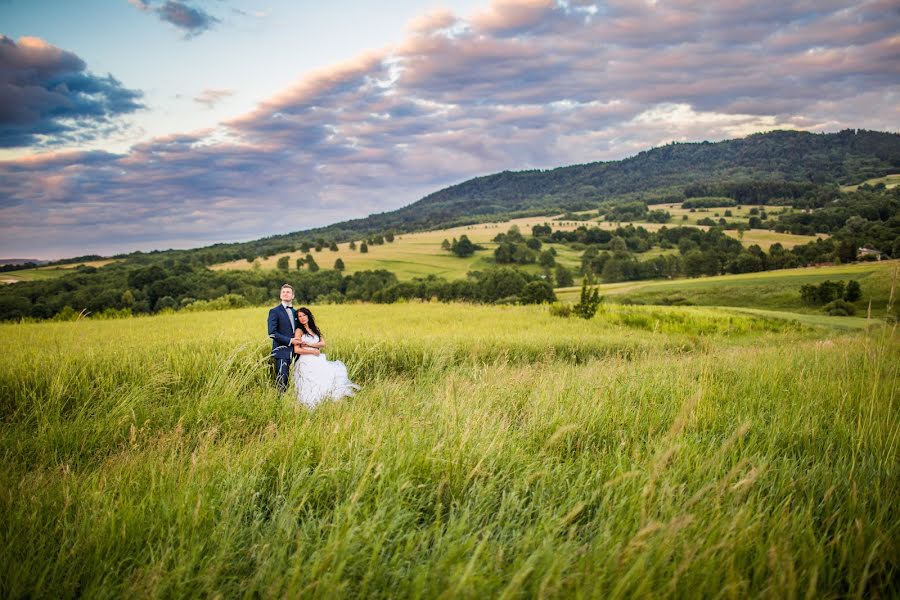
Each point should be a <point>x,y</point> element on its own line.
<point>291,316</point>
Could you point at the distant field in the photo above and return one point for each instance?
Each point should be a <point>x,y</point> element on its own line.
<point>778,290</point>
<point>761,237</point>
<point>420,254</point>
<point>738,215</point>
<point>889,181</point>
<point>50,272</point>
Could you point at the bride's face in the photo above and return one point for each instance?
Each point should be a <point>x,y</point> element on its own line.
<point>302,318</point>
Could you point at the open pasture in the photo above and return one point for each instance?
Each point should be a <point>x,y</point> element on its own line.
<point>49,272</point>
<point>739,214</point>
<point>492,452</point>
<point>419,254</point>
<point>777,290</point>
<point>889,181</point>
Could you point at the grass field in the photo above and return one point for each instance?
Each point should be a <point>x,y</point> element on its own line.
<point>738,215</point>
<point>420,254</point>
<point>778,290</point>
<point>50,272</point>
<point>492,452</point>
<point>889,182</point>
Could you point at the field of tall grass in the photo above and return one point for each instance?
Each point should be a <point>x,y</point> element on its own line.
<point>492,452</point>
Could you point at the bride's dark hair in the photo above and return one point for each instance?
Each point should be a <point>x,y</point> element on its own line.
<point>312,322</point>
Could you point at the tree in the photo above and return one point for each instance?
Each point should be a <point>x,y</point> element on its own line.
<point>299,263</point>
<point>617,245</point>
<point>464,247</point>
<point>127,298</point>
<point>546,259</point>
<point>284,263</point>
<point>563,276</point>
<point>445,245</point>
<point>363,248</point>
<point>541,230</point>
<point>338,265</point>
<point>304,247</point>
<point>590,300</point>
<point>333,246</point>
<point>311,263</point>
<point>165,302</point>
<point>389,237</point>
<point>352,245</point>
<point>853,291</point>
<point>537,292</point>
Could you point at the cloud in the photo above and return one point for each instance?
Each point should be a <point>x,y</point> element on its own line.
<point>519,85</point>
<point>191,20</point>
<point>210,97</point>
<point>47,96</point>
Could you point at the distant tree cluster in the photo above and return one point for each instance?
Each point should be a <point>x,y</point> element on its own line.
<point>829,291</point>
<point>463,247</point>
<point>514,248</point>
<point>121,290</point>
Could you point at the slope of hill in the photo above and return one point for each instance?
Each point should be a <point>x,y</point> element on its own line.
<point>801,159</point>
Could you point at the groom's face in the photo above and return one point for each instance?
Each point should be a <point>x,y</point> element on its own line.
<point>287,294</point>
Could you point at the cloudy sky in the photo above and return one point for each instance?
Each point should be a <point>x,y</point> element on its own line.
<point>143,124</point>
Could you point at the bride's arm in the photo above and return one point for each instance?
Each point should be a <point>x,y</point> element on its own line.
<point>320,344</point>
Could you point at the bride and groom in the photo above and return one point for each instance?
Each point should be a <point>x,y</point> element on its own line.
<point>296,339</point>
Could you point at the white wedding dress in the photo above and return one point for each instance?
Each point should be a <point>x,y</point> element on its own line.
<point>318,379</point>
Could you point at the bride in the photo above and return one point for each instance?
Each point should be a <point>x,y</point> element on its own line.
<point>315,377</point>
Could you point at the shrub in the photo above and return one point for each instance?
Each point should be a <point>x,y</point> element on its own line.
<point>823,293</point>
<point>590,300</point>
<point>561,309</point>
<point>839,308</point>
<point>537,292</point>
<point>225,302</point>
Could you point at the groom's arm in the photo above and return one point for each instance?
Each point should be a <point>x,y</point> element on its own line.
<point>273,330</point>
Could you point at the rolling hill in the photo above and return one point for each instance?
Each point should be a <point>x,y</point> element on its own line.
<point>773,160</point>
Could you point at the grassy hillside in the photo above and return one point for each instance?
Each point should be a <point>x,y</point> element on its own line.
<point>656,175</point>
<point>889,181</point>
<point>779,290</point>
<point>420,254</point>
<point>492,452</point>
<point>49,272</point>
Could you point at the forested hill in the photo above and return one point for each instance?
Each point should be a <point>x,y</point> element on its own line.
<point>670,172</point>
<point>666,172</point>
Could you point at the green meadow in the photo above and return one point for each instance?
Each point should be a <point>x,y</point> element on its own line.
<point>774,290</point>
<point>493,451</point>
<point>49,272</point>
<point>889,182</point>
<point>420,254</point>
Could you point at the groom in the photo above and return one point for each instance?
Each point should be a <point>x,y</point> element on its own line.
<point>282,324</point>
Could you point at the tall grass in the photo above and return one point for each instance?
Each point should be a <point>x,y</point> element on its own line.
<point>492,452</point>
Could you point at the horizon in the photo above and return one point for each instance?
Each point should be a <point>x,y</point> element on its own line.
<point>108,149</point>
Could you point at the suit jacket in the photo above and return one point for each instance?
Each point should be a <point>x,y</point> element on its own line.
<point>281,330</point>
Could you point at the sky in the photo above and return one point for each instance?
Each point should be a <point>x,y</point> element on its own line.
<point>153,124</point>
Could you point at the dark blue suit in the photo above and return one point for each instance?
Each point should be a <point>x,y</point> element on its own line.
<point>281,330</point>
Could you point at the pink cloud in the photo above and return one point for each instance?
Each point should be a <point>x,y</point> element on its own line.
<point>520,85</point>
